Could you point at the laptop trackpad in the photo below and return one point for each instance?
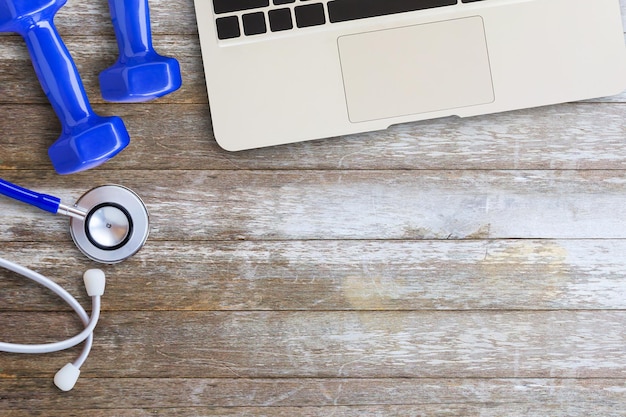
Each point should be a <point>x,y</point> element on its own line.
<point>416,69</point>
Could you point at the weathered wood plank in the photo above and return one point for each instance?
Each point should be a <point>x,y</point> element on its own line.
<point>335,275</point>
<point>447,410</point>
<point>288,205</point>
<point>93,18</point>
<point>319,397</point>
<point>575,136</point>
<point>350,344</point>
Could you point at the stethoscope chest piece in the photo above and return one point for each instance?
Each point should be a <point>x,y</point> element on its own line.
<point>116,225</point>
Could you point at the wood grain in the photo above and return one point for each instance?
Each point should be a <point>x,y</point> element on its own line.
<point>339,275</point>
<point>323,397</point>
<point>339,344</point>
<point>452,267</point>
<point>314,205</point>
<point>177,136</point>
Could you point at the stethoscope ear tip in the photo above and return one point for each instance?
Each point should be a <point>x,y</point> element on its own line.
<point>95,282</point>
<point>66,377</point>
<point>115,227</point>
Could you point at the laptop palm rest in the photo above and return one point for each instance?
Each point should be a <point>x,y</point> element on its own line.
<point>446,67</point>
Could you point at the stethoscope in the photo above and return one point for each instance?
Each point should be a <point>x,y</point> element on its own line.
<point>108,224</point>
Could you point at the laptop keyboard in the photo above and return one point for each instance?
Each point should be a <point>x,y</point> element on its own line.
<point>237,18</point>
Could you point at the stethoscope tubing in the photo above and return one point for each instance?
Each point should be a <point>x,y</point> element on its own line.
<point>94,280</point>
<point>89,322</point>
<point>45,202</point>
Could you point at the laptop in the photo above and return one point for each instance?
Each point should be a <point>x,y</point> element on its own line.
<point>284,71</point>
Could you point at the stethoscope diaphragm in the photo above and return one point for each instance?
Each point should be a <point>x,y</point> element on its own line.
<point>115,227</point>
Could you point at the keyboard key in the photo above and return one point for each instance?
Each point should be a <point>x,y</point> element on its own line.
<point>228,6</point>
<point>227,27</point>
<point>278,2</point>
<point>344,10</point>
<point>310,15</point>
<point>280,19</point>
<point>253,23</point>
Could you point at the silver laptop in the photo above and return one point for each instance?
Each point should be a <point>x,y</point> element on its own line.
<point>283,71</point>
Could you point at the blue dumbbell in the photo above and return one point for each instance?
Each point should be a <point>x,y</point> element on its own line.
<point>87,140</point>
<point>140,74</point>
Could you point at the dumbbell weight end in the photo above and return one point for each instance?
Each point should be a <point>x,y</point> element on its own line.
<point>140,79</point>
<point>88,144</point>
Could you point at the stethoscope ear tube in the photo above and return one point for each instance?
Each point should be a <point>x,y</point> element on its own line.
<point>94,280</point>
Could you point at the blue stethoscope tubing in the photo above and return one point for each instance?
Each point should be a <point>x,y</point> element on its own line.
<point>45,202</point>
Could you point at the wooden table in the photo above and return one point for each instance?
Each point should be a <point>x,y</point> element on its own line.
<point>471,267</point>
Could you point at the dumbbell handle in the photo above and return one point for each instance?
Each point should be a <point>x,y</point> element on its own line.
<point>131,21</point>
<point>57,73</point>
